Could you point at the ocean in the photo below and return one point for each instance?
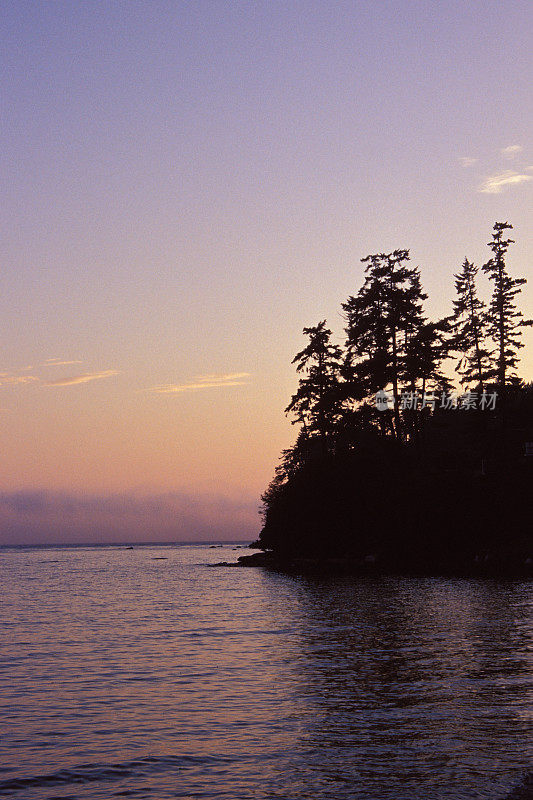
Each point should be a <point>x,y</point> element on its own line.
<point>148,673</point>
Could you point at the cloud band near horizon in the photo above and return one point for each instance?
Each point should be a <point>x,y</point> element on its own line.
<point>41,517</point>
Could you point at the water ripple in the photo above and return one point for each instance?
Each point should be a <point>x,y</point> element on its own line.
<point>142,674</point>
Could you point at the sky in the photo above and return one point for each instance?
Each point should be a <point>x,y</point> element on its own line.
<point>186,185</point>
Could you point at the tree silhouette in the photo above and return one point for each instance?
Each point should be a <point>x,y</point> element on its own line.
<point>360,479</point>
<point>316,403</point>
<point>505,321</point>
<point>385,328</point>
<point>469,327</point>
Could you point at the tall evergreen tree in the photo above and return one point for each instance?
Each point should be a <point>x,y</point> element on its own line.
<point>390,269</point>
<point>384,319</point>
<point>505,321</point>
<point>426,349</point>
<point>469,329</point>
<point>317,402</point>
<point>367,362</point>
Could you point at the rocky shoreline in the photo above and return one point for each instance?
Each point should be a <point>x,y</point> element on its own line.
<point>486,567</point>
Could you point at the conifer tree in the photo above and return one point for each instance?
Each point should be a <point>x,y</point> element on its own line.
<point>426,349</point>
<point>505,321</point>
<point>469,327</point>
<point>317,402</point>
<point>383,319</point>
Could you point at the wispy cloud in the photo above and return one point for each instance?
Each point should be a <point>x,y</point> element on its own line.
<point>57,362</point>
<point>8,379</point>
<point>496,184</point>
<point>511,151</point>
<point>203,382</point>
<point>84,378</point>
<point>466,161</point>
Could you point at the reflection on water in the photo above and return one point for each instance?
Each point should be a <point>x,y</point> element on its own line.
<point>143,673</point>
<point>419,684</point>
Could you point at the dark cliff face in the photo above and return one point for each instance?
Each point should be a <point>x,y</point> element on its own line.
<point>393,509</point>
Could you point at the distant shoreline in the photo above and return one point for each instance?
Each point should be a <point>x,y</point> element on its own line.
<point>121,545</point>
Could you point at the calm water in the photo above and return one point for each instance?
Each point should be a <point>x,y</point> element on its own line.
<point>146,674</point>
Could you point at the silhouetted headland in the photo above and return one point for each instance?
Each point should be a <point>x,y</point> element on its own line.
<point>395,469</point>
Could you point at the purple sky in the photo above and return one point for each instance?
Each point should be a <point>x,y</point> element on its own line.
<point>186,185</point>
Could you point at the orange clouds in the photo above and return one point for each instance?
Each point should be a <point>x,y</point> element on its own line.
<point>203,382</point>
<point>57,362</point>
<point>7,379</point>
<point>14,379</point>
<point>84,378</point>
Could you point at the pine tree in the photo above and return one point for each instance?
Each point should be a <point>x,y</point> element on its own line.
<point>383,320</point>
<point>469,327</point>
<point>505,321</point>
<point>425,351</point>
<point>367,363</point>
<point>317,402</point>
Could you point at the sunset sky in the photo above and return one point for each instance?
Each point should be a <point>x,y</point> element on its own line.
<point>186,185</point>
